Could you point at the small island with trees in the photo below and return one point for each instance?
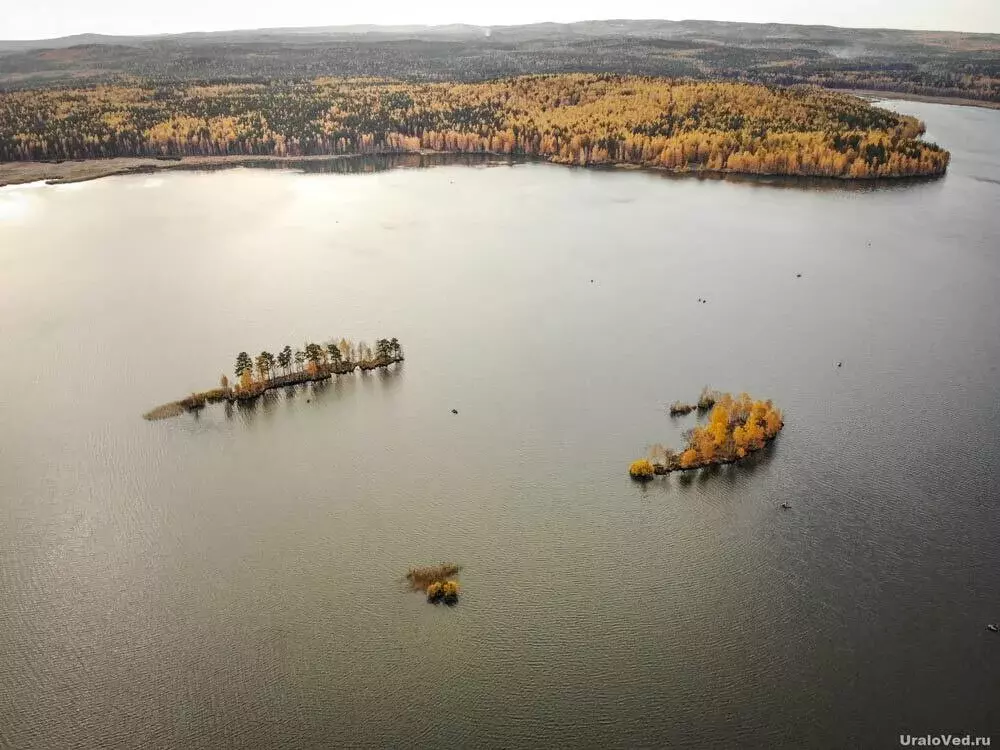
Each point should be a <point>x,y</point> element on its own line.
<point>310,364</point>
<point>437,581</point>
<point>735,428</point>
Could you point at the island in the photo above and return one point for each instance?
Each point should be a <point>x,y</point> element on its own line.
<point>437,581</point>
<point>310,364</point>
<point>705,402</point>
<point>590,120</point>
<point>735,428</point>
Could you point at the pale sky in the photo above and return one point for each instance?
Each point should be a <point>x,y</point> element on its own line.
<point>36,19</point>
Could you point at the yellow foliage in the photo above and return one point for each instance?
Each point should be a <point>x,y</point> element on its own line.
<point>703,443</point>
<point>718,421</point>
<point>689,458</point>
<point>641,469</point>
<point>735,427</point>
<point>772,422</point>
<point>571,119</point>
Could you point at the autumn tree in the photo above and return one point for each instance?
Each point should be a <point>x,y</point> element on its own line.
<point>641,469</point>
<point>346,350</point>
<point>364,352</point>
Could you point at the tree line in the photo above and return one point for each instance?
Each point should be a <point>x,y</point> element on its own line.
<point>950,64</point>
<point>571,119</point>
<point>312,359</point>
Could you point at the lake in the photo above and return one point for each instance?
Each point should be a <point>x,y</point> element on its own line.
<point>235,579</point>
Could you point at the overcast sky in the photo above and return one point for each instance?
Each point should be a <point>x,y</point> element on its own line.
<point>36,19</point>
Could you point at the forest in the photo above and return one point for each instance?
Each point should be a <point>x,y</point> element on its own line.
<point>735,428</point>
<point>930,63</point>
<point>578,119</point>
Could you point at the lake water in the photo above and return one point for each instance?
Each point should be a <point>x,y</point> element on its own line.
<point>235,579</point>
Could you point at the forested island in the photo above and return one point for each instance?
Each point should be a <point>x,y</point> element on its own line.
<point>586,120</point>
<point>736,427</point>
<point>310,364</point>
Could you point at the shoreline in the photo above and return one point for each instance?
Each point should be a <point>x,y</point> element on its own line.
<point>927,98</point>
<point>198,401</point>
<point>84,170</point>
<point>661,470</point>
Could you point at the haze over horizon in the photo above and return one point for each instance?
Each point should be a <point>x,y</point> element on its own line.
<point>57,18</point>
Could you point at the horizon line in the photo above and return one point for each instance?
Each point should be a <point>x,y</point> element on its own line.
<point>485,27</point>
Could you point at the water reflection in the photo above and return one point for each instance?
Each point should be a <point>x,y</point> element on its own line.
<point>374,163</point>
<point>337,387</point>
<point>728,475</point>
<point>785,182</point>
<point>366,164</point>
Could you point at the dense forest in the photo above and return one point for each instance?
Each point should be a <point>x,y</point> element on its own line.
<point>947,64</point>
<point>570,119</point>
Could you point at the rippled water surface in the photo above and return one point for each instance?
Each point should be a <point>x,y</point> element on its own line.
<point>235,579</point>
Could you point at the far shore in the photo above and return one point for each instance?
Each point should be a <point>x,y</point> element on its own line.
<point>957,101</point>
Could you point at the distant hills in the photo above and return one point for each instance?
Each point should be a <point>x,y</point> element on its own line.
<point>936,63</point>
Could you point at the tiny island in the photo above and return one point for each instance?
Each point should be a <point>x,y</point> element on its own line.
<point>736,427</point>
<point>705,402</point>
<point>437,581</point>
<point>310,364</point>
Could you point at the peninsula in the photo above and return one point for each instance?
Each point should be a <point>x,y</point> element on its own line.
<point>311,364</point>
<point>677,125</point>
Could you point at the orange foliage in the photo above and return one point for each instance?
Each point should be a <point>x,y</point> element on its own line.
<point>736,427</point>
<point>641,469</point>
<point>570,119</point>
